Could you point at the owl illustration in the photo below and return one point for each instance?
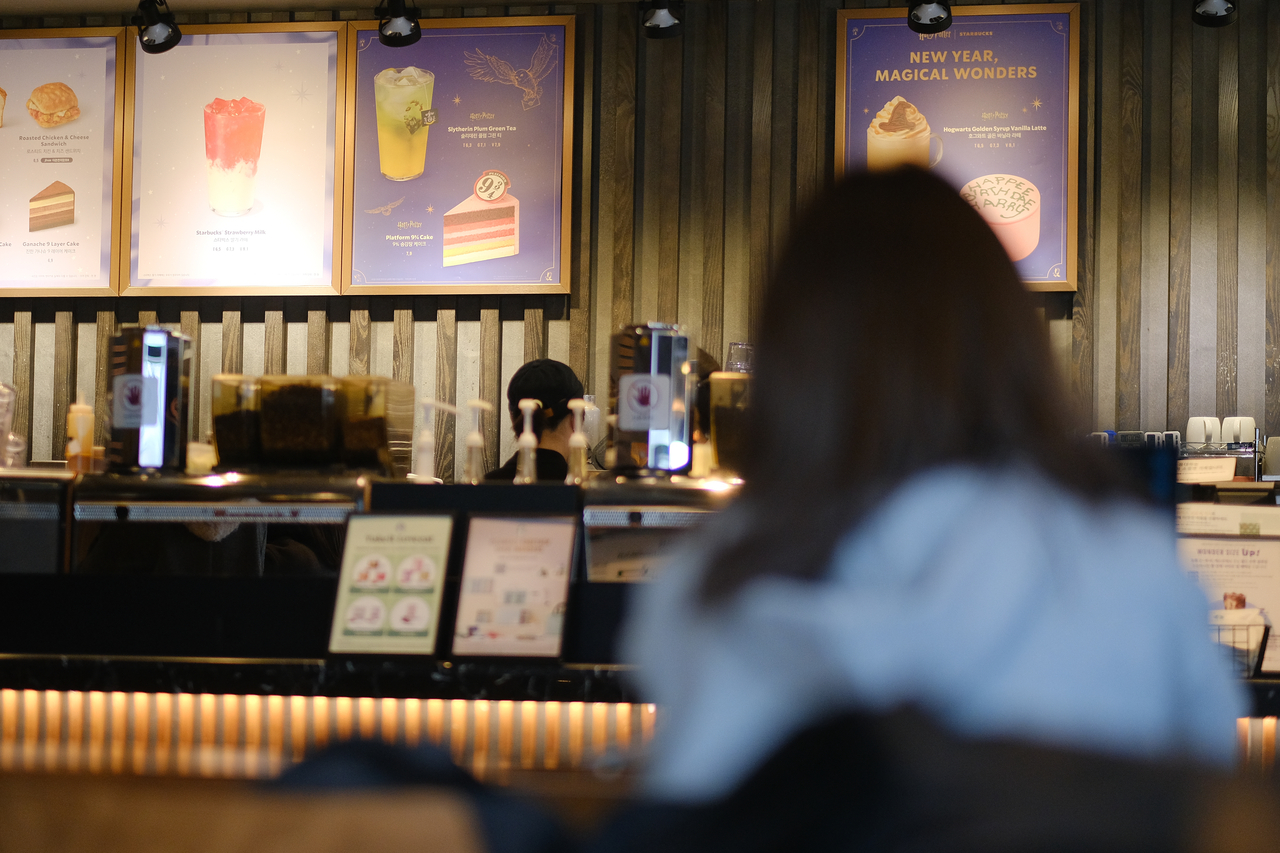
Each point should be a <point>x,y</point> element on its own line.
<point>491,69</point>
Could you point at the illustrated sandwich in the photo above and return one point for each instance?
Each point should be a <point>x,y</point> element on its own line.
<point>53,104</point>
<point>4,96</point>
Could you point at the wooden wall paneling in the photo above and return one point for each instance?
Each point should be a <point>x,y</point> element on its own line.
<point>1252,221</point>
<point>557,317</point>
<point>693,162</point>
<point>648,203</point>
<point>604,181</point>
<point>808,109</point>
<point>402,339</point>
<point>424,361</point>
<point>580,315</point>
<point>1155,97</point>
<point>43,359</point>
<point>148,314</point>
<point>381,336</point>
<point>24,343</point>
<point>189,321</point>
<point>760,207</point>
<point>670,200</point>
<point>253,335</point>
<point>210,360</point>
<point>623,176</point>
<point>737,171</point>
<point>86,317</point>
<point>232,338</point>
<point>65,363</point>
<point>1081,386</point>
<point>360,343</point>
<point>275,340</point>
<point>1180,98</point>
<point>782,148</point>
<point>1272,419</point>
<point>711,218</point>
<point>468,374</point>
<point>826,94</point>
<point>511,316</point>
<point>446,387</point>
<point>317,335</point>
<point>339,335</point>
<point>107,327</point>
<point>491,389</point>
<point>295,336</point>
<point>1107,211</point>
<point>1228,211</point>
<point>535,327</point>
<point>1203,325</point>
<point>1129,222</point>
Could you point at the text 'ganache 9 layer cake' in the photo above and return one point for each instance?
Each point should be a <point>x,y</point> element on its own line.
<point>477,230</point>
<point>53,206</point>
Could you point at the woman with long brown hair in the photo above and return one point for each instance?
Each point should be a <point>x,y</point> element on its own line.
<point>918,525</point>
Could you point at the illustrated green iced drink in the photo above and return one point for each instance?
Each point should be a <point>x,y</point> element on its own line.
<point>403,98</point>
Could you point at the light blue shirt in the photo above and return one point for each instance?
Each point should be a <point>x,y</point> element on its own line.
<point>994,600</point>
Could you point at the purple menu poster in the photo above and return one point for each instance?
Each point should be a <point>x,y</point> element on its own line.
<point>458,164</point>
<point>990,105</point>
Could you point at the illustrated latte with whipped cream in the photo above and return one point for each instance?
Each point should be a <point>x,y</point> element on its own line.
<point>899,135</point>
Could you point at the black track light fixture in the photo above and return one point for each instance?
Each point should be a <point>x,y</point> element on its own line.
<point>156,30</point>
<point>659,22</point>
<point>1214,13</point>
<point>929,17</point>
<point>398,24</point>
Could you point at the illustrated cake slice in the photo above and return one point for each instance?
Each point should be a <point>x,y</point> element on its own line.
<point>477,230</point>
<point>53,206</point>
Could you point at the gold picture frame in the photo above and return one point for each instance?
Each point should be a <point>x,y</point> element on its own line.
<point>107,233</point>
<point>272,246</point>
<point>1060,266</point>
<point>555,228</point>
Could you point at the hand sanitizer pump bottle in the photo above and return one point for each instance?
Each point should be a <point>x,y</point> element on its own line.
<point>473,472</point>
<point>578,446</point>
<point>527,445</point>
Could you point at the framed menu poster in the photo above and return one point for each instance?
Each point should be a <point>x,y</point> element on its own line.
<point>515,586</point>
<point>991,105</point>
<point>61,119</point>
<point>236,151</point>
<point>457,153</point>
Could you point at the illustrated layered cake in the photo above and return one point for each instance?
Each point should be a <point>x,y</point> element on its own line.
<point>1011,206</point>
<point>53,206</point>
<point>479,229</point>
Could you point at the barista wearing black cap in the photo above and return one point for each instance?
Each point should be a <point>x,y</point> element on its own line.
<point>554,384</point>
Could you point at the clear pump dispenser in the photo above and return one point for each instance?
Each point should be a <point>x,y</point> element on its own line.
<point>578,445</point>
<point>424,460</point>
<point>473,472</point>
<point>527,445</point>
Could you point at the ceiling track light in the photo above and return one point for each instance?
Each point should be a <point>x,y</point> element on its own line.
<point>929,18</point>
<point>156,30</point>
<point>658,21</point>
<point>1214,13</point>
<point>398,24</point>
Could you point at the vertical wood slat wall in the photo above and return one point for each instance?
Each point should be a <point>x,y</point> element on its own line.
<point>691,160</point>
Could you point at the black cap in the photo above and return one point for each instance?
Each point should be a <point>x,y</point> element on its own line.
<point>551,382</point>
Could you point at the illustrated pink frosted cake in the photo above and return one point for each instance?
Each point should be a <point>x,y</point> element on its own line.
<point>479,229</point>
<point>232,145</point>
<point>1011,206</point>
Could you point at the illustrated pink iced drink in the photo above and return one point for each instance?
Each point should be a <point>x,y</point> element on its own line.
<point>232,145</point>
